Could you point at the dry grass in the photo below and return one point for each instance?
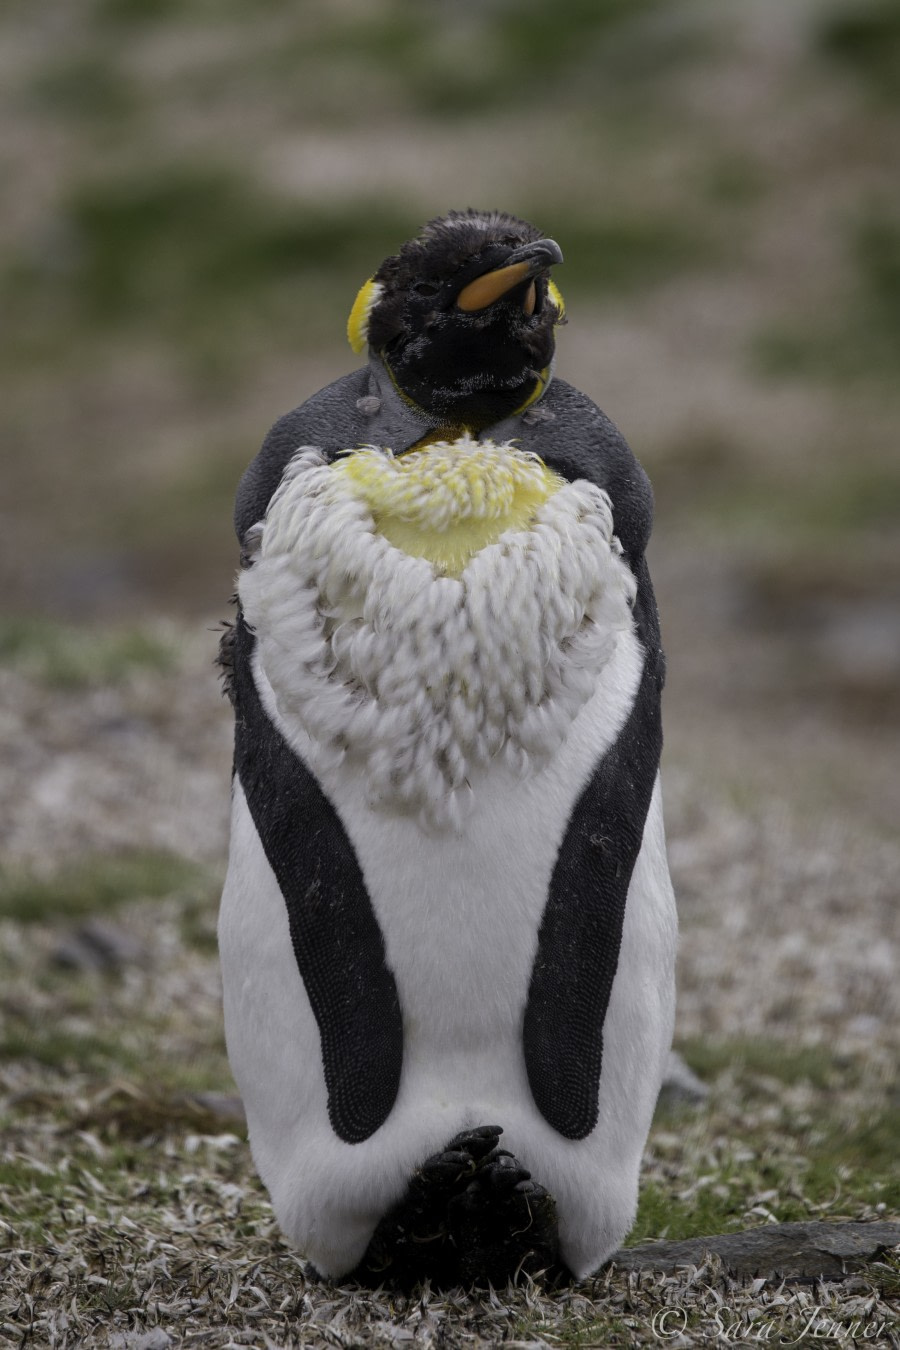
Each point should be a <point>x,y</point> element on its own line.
<point>121,1216</point>
<point>110,1232</point>
<point>129,1200</point>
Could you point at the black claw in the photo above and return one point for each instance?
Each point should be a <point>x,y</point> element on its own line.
<point>440,1176</point>
<point>505,1173</point>
<point>451,1163</point>
<point>492,1157</point>
<point>478,1142</point>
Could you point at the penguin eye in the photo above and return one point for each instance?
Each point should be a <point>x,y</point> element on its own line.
<point>426,288</point>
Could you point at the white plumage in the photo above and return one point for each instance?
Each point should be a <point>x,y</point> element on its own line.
<point>423,679</point>
<point>453,723</point>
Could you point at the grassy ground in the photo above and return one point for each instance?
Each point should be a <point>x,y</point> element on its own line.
<point>129,1197</point>
<point>129,1203</point>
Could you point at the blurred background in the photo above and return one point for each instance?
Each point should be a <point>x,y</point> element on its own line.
<point>192,196</point>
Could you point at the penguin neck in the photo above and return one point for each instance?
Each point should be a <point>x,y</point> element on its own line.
<point>475,415</point>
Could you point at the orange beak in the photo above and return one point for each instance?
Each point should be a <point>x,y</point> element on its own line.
<point>525,262</point>
<point>483,291</point>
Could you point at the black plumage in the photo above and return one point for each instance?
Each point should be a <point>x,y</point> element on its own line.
<point>465,368</point>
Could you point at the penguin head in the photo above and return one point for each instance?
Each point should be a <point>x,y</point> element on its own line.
<point>463,317</point>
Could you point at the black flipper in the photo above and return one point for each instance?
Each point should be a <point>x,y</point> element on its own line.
<point>337,942</point>
<point>471,1216</point>
<point>581,928</point>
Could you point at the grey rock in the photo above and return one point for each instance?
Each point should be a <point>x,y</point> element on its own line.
<point>154,1339</point>
<point>225,1106</point>
<point>794,1251</point>
<point>860,643</point>
<point>100,945</point>
<point>680,1085</point>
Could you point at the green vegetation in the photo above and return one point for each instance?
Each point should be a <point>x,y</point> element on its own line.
<point>184,247</point>
<point>717,1208</point>
<point>801,1157</point>
<point>132,15</point>
<point>112,1149</point>
<point>876,245</point>
<point>811,528</point>
<point>98,1180</point>
<point>134,12</point>
<point>67,657</point>
<point>735,181</point>
<point>94,885</point>
<point>609,255</point>
<point>861,498</point>
<point>187,249</point>
<point>865,342</point>
<point>142,1085</point>
<point>198,923</point>
<point>67,1051</point>
<point>87,86</point>
<point>800,1173</point>
<point>865,37</point>
<point>861,1155</point>
<point>755,1059</point>
<point>499,56</point>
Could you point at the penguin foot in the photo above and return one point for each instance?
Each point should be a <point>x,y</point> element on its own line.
<point>471,1215</point>
<point>504,1224</point>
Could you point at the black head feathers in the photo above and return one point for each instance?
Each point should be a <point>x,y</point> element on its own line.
<point>463,316</point>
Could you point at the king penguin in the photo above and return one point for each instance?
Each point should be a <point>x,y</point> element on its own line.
<point>447,929</point>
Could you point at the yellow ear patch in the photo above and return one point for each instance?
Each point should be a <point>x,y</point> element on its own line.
<point>358,323</point>
<point>556,298</point>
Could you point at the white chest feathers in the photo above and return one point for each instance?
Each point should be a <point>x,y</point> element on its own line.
<point>425,669</point>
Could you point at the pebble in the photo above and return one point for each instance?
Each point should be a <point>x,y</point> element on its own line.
<point>680,1085</point>
<point>100,945</point>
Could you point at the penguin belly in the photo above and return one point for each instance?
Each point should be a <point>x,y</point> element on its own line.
<point>460,919</point>
<point>459,897</point>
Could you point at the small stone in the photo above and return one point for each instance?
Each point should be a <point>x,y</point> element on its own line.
<point>860,644</point>
<point>865,1027</point>
<point>100,945</point>
<point>156,1339</point>
<point>369,405</point>
<point>680,1085</point>
<point>222,1105</point>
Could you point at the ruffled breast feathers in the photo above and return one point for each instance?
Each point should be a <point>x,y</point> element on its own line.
<point>432,614</point>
